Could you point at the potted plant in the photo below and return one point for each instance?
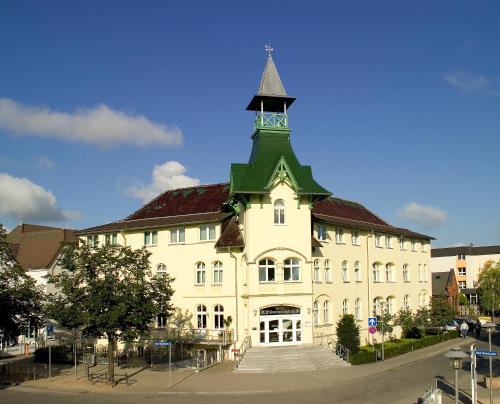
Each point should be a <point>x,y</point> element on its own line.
<point>227,323</point>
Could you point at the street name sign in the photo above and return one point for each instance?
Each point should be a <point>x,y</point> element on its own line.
<point>162,343</point>
<point>372,321</point>
<point>486,353</point>
<point>372,330</point>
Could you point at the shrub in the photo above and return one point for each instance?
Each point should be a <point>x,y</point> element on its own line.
<point>462,299</point>
<point>59,354</point>
<point>348,333</point>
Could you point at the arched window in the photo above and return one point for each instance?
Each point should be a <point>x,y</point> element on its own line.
<point>377,306</point>
<point>376,272</point>
<point>389,273</point>
<point>406,273</point>
<point>291,270</point>
<point>218,317</point>
<point>345,306</point>
<point>315,313</point>
<point>391,305</point>
<point>267,270</point>
<point>316,271</point>
<point>161,271</point>
<point>328,272</point>
<point>357,272</point>
<point>357,309</point>
<point>200,273</point>
<point>326,312</point>
<point>422,299</point>
<point>406,302</point>
<point>201,316</point>
<point>279,211</point>
<point>217,272</point>
<point>345,272</point>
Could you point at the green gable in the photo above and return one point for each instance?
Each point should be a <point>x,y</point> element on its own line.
<point>272,156</point>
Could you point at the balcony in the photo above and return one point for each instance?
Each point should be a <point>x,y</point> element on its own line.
<point>271,120</point>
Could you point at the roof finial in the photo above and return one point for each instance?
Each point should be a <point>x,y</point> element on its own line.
<point>269,49</point>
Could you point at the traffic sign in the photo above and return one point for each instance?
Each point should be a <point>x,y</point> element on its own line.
<point>486,353</point>
<point>372,321</point>
<point>235,350</point>
<point>50,332</point>
<point>162,343</point>
<point>372,330</point>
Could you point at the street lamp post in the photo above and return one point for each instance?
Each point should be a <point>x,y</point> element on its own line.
<point>456,356</point>
<point>382,306</point>
<point>490,329</point>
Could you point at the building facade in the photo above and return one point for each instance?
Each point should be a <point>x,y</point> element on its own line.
<point>272,248</point>
<point>466,262</point>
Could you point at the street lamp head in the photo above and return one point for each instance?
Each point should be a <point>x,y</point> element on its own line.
<point>456,356</point>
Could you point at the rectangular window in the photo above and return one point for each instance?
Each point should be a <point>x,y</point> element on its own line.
<point>207,232</point>
<point>462,284</point>
<point>177,236</point>
<point>111,239</point>
<point>267,274</point>
<point>378,242</point>
<point>321,232</point>
<point>355,237</point>
<point>388,241</point>
<point>462,271</point>
<point>150,237</point>
<point>413,245</point>
<point>339,236</point>
<point>461,256</point>
<point>92,241</point>
<point>402,244</point>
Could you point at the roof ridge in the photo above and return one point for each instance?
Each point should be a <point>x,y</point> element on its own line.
<point>162,217</point>
<point>363,206</point>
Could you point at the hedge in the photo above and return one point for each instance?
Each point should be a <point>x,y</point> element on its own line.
<point>58,355</point>
<point>398,347</point>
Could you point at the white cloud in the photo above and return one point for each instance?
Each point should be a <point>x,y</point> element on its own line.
<point>101,125</point>
<point>422,215</point>
<point>169,175</point>
<point>44,162</point>
<point>22,199</point>
<point>466,82</point>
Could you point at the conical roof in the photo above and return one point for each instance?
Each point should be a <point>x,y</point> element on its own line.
<point>270,83</point>
<point>271,91</point>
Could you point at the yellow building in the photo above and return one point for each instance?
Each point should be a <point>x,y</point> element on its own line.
<point>272,248</point>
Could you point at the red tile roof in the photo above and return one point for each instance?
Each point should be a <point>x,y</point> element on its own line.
<point>230,235</point>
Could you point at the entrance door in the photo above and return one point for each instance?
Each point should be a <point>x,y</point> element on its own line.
<point>286,330</point>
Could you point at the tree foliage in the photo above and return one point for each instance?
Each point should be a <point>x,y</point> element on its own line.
<point>348,333</point>
<point>385,324</point>
<point>406,320</point>
<point>489,286</point>
<point>422,319</point>
<point>441,311</point>
<point>21,299</point>
<point>109,291</point>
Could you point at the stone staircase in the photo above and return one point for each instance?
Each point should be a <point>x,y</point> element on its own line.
<point>295,358</point>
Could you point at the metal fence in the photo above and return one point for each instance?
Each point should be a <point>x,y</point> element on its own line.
<point>17,371</point>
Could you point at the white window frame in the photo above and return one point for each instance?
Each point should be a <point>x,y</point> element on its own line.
<point>462,284</point>
<point>200,274</point>
<point>217,273</point>
<point>391,305</point>
<point>376,272</point>
<point>201,316</point>
<point>355,240</point>
<point>161,271</point>
<point>357,309</point>
<point>316,271</point>
<point>279,212</point>
<point>358,276</point>
<point>321,232</point>
<point>462,271</point>
<point>339,235</point>
<point>420,273</point>
<point>378,240</point>
<point>377,306</point>
<point>388,241</point>
<point>406,302</point>
<point>208,232</point>
<point>266,265</point>
<point>316,313</point>
<point>326,312</point>
<point>292,266</point>
<point>413,245</point>
<point>345,306</point>
<point>219,317</point>
<point>178,235</point>
<point>111,239</point>
<point>92,241</point>
<point>406,273</point>
<point>328,271</point>
<point>345,271</point>
<point>425,273</point>
<point>150,238</point>
<point>402,244</point>
<point>389,273</point>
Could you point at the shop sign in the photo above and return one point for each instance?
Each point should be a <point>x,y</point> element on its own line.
<point>279,311</point>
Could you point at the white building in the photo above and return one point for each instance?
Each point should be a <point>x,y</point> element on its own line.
<point>272,248</point>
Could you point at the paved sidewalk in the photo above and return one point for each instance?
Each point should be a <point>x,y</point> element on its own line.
<point>221,378</point>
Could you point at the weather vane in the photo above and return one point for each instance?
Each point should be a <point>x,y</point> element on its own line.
<point>269,49</point>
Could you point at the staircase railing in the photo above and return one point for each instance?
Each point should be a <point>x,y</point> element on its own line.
<point>342,352</point>
<point>247,343</point>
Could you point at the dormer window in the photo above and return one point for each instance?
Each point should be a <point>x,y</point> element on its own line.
<point>279,212</point>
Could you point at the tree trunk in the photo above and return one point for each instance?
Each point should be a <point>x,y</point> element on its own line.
<point>111,359</point>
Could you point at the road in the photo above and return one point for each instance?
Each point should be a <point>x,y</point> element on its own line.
<point>403,384</point>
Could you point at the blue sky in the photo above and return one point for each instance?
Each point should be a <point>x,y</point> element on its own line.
<point>397,105</point>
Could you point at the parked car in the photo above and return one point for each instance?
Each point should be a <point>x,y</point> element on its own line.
<point>469,321</point>
<point>451,325</point>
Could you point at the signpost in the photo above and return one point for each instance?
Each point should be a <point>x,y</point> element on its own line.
<point>473,373</point>
<point>165,344</point>
<point>486,353</point>
<point>372,321</point>
<point>50,337</point>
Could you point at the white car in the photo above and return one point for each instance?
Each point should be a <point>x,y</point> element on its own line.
<point>451,325</point>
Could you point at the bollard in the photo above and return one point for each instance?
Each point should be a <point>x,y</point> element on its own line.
<point>126,378</point>
<point>34,372</point>
<point>44,370</point>
<point>106,376</point>
<point>87,371</point>
<point>91,377</point>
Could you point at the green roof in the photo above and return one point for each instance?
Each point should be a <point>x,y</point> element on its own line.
<point>273,155</point>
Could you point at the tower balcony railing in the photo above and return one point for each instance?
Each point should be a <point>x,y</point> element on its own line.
<point>271,120</point>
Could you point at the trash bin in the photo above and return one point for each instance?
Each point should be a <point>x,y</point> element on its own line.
<point>378,354</point>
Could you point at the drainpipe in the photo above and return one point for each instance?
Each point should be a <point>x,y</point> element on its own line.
<point>368,237</point>
<point>235,293</point>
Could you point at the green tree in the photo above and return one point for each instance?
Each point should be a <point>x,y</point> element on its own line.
<point>489,287</point>
<point>405,320</point>
<point>110,292</point>
<point>422,319</point>
<point>384,323</point>
<point>462,299</point>
<point>21,299</point>
<point>441,311</point>
<point>348,333</point>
